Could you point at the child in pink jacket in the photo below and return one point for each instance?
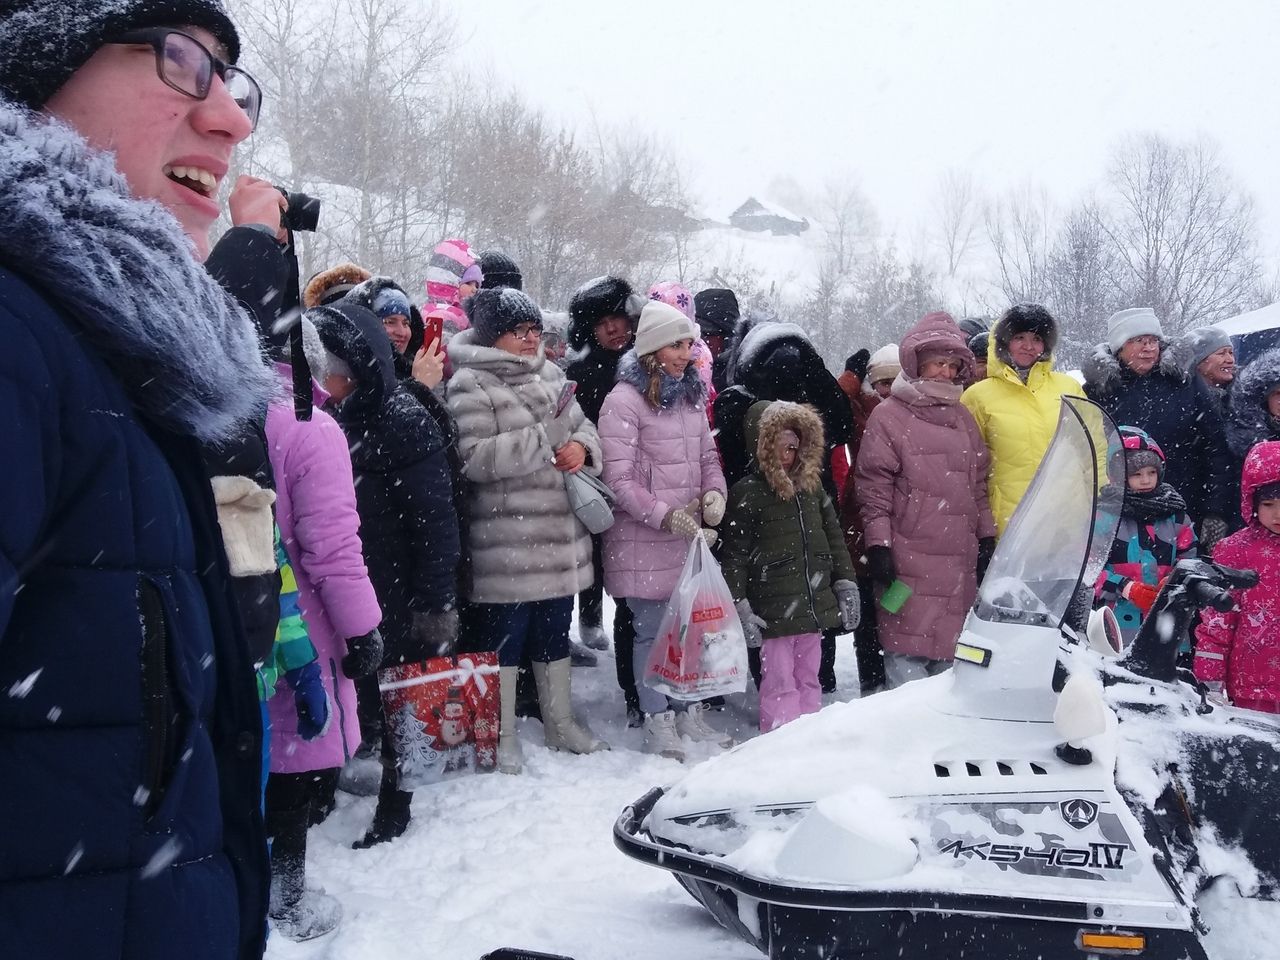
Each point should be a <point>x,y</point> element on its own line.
<point>1240,650</point>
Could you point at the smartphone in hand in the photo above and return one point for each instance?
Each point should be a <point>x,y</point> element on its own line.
<point>433,331</point>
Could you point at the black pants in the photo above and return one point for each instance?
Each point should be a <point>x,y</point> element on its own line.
<point>624,645</point>
<point>591,600</point>
<point>289,808</point>
<point>866,640</point>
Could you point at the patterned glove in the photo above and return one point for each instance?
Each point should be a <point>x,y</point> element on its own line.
<point>712,508</point>
<point>310,700</point>
<point>364,654</point>
<point>1212,529</point>
<point>681,522</point>
<point>751,624</point>
<point>435,632</point>
<point>709,535</point>
<point>850,601</point>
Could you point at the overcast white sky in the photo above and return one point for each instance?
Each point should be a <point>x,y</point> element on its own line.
<point>895,92</point>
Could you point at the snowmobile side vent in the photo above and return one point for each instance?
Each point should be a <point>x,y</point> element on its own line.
<point>941,770</point>
<point>1004,768</point>
<point>1038,770</point>
<point>972,769</point>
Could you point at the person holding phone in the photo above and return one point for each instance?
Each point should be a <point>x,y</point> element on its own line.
<point>921,484</point>
<point>528,554</point>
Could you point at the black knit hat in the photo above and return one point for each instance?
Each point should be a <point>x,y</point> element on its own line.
<point>978,343</point>
<point>597,299</point>
<point>499,271</point>
<point>497,311</point>
<point>716,311</point>
<point>43,42</point>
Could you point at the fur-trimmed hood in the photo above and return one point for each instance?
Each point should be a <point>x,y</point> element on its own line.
<point>122,273</point>
<point>690,386</point>
<point>1249,422</point>
<point>765,421</point>
<point>333,283</point>
<point>1104,372</point>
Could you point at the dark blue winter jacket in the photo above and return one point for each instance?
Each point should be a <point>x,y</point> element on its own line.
<point>1181,415</point>
<point>129,722</point>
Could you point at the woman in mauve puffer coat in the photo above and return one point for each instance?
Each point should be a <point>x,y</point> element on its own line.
<point>921,483</point>
<point>660,461</point>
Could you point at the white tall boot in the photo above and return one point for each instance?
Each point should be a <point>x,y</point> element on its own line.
<point>562,731</point>
<point>510,759</point>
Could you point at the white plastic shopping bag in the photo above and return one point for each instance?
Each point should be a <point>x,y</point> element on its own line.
<point>700,650</point>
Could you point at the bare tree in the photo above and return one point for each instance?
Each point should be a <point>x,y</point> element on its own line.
<point>1019,229</point>
<point>1184,234</point>
<point>1078,285</point>
<point>957,215</point>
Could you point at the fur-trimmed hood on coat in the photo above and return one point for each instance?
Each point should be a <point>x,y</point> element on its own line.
<point>1103,370</point>
<point>122,273</point>
<point>689,387</point>
<point>765,422</point>
<point>1249,422</point>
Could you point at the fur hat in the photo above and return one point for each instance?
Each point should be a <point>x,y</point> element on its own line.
<point>597,299</point>
<point>884,364</point>
<point>446,268</point>
<point>660,326</point>
<point>979,343</point>
<point>716,311</point>
<point>673,294</point>
<point>43,42</point>
<point>500,270</point>
<point>333,284</point>
<point>1134,322</point>
<point>500,310</point>
<point>1203,342</point>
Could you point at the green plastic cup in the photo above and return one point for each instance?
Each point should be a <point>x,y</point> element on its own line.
<point>895,596</point>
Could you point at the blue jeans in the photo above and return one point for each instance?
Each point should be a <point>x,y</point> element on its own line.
<point>541,627</point>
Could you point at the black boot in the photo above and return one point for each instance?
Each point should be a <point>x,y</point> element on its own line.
<point>391,818</point>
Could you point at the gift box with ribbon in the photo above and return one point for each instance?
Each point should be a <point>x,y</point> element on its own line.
<point>442,716</point>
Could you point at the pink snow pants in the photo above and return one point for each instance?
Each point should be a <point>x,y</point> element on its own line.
<point>789,684</point>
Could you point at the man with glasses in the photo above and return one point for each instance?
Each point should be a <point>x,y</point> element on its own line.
<point>131,731</point>
<point>1141,382</point>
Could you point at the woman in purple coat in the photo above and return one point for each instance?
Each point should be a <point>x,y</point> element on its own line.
<point>921,485</point>
<point>660,461</point>
<point>319,528</point>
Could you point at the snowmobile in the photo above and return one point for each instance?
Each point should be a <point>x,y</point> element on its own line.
<point>1053,796</point>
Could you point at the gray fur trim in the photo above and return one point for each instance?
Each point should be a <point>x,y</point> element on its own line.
<point>630,371</point>
<point>1248,422</point>
<point>1103,371</point>
<point>121,271</point>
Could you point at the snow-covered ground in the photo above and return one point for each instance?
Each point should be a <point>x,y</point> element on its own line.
<point>529,861</point>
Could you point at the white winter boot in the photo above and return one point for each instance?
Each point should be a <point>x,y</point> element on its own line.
<point>660,735</point>
<point>693,724</point>
<point>562,731</point>
<point>510,759</point>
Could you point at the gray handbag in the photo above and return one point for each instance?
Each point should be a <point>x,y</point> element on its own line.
<point>591,500</point>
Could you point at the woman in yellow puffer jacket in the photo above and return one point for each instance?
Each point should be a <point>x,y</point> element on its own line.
<point>1017,405</point>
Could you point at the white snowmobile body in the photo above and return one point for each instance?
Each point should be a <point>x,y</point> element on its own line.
<point>944,811</point>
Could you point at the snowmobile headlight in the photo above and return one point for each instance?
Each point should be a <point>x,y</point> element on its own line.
<point>967,652</point>
<point>1111,944</point>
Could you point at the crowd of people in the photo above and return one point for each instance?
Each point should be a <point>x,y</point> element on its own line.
<point>221,521</point>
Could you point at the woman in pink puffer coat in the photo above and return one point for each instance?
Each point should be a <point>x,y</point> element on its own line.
<point>921,486</point>
<point>660,461</point>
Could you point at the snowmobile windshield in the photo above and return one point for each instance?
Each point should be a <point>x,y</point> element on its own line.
<point>1060,535</point>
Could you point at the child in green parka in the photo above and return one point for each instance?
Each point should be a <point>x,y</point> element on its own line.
<point>785,559</point>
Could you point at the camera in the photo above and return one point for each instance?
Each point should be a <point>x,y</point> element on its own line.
<point>302,212</point>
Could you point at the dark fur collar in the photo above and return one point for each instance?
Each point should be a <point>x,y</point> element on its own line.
<point>121,272</point>
<point>1103,370</point>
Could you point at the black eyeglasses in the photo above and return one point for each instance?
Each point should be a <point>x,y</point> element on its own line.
<point>186,65</point>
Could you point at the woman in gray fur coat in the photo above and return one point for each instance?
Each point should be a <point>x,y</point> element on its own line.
<point>528,555</point>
